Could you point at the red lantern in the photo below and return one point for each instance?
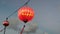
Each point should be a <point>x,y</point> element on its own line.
<point>5,23</point>
<point>25,13</point>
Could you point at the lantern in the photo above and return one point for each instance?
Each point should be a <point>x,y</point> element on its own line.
<point>25,13</point>
<point>5,23</point>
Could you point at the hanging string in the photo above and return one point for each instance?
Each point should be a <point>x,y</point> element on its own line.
<point>17,9</point>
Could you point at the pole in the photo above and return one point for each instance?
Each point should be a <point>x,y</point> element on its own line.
<point>5,25</point>
<point>22,29</point>
<point>4,29</point>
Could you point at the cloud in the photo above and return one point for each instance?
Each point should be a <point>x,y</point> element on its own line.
<point>1,28</point>
<point>45,33</point>
<point>31,28</point>
<point>13,24</point>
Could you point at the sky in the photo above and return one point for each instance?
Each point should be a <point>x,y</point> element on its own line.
<point>47,15</point>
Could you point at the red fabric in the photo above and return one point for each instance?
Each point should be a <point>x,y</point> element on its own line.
<point>5,23</point>
<point>25,13</point>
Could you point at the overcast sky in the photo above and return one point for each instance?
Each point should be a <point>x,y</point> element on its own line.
<point>47,14</point>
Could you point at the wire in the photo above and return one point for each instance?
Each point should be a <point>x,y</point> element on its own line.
<point>18,8</point>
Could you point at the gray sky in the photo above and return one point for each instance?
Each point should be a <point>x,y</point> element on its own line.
<point>47,14</point>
